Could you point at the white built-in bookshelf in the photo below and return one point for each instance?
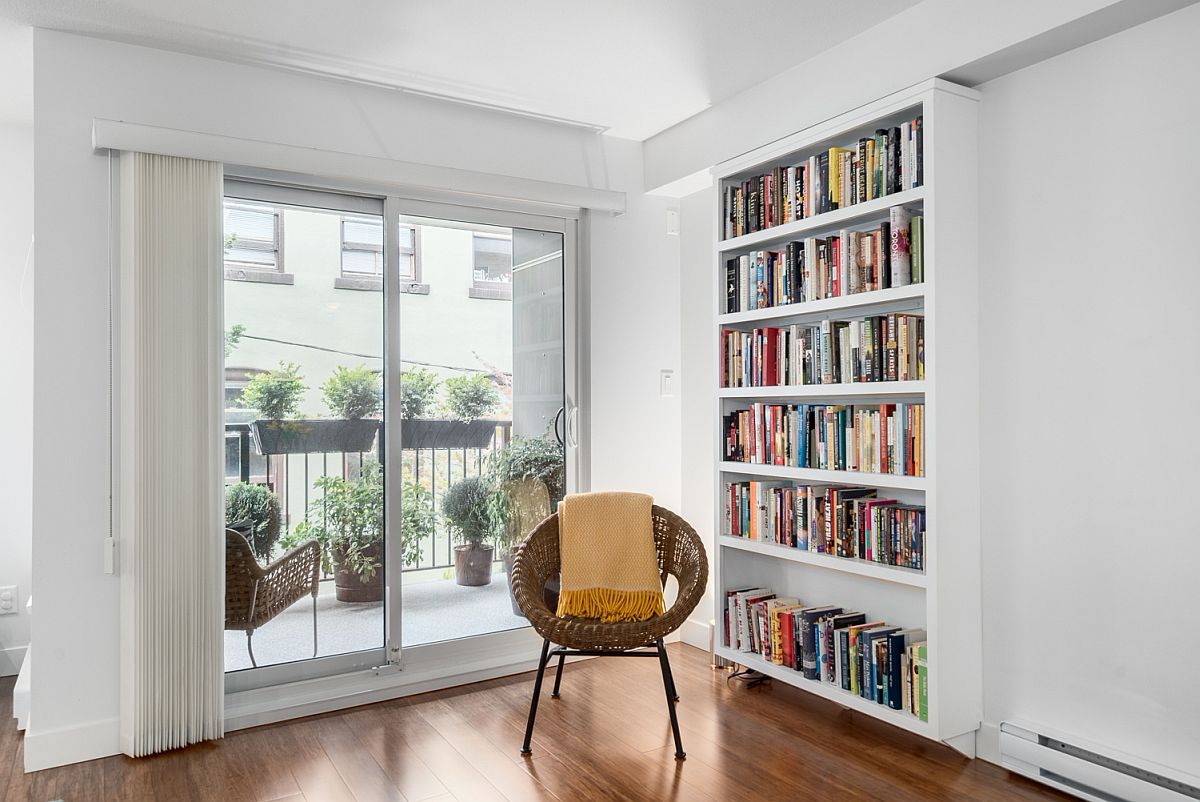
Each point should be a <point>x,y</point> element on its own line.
<point>943,598</point>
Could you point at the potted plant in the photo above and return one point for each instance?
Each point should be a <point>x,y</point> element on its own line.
<point>468,398</point>
<point>530,480</point>
<point>352,394</point>
<point>355,397</point>
<point>467,506</point>
<point>254,511</point>
<point>348,523</point>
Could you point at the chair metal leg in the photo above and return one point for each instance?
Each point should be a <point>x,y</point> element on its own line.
<point>669,690</point>
<point>671,683</point>
<point>314,625</point>
<point>250,646</point>
<point>537,691</point>
<point>558,676</point>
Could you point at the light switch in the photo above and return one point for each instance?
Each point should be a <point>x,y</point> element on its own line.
<point>666,383</point>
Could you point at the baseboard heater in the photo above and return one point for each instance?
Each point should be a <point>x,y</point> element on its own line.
<point>1090,771</point>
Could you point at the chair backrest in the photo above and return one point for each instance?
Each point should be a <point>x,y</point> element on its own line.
<point>241,573</point>
<point>529,504</point>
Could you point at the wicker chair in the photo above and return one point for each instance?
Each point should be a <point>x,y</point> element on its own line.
<point>254,594</point>
<point>680,554</point>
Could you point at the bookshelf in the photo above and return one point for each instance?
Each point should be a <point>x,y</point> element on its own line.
<point>943,599</point>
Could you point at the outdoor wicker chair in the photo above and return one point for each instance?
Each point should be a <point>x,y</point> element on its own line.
<point>680,554</point>
<point>254,594</point>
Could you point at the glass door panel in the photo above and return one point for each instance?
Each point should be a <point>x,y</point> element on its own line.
<point>304,342</point>
<point>484,415</point>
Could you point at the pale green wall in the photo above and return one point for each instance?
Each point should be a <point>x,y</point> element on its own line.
<point>445,327</point>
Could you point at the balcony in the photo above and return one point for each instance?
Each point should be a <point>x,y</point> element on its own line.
<point>432,462</point>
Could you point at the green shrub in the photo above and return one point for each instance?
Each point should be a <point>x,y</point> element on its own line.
<point>467,507</point>
<point>471,397</point>
<point>258,506</point>
<point>531,458</point>
<point>276,393</point>
<point>353,393</point>
<point>418,391</point>
<point>348,521</point>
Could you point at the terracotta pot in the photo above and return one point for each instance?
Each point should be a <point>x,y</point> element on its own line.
<point>473,565</point>
<point>507,559</point>
<point>351,588</point>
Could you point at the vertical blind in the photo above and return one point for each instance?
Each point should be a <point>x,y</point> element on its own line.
<point>170,445</point>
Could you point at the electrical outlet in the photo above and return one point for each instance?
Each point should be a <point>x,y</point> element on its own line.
<point>8,600</point>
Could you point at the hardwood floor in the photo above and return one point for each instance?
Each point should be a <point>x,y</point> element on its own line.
<point>608,737</point>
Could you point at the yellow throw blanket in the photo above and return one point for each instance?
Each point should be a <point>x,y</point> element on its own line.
<point>609,563</point>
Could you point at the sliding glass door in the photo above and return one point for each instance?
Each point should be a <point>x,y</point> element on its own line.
<point>484,445</point>
<point>398,384</point>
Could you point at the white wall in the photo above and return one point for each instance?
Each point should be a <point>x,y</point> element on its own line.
<point>16,366</point>
<point>699,441</point>
<point>75,686</point>
<point>1089,287</point>
<point>635,334</point>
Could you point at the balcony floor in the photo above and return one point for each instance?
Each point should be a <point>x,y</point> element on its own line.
<point>433,611</point>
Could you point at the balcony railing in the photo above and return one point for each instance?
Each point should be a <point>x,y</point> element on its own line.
<point>292,478</point>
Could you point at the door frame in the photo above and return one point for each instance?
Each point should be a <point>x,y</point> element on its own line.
<point>455,652</point>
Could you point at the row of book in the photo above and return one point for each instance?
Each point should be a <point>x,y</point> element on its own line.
<point>850,522</point>
<point>844,648</point>
<point>879,348</point>
<point>892,255</point>
<point>877,438</point>
<point>888,162</point>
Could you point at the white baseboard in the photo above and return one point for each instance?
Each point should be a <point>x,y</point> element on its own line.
<point>45,749</point>
<point>987,742</point>
<point>10,660</point>
<point>694,633</point>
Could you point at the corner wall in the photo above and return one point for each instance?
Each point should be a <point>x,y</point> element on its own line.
<point>1089,286</point>
<point>16,402</point>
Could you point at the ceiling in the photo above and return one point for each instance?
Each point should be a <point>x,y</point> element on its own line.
<point>631,67</point>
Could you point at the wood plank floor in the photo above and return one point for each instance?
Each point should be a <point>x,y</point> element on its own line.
<point>608,737</point>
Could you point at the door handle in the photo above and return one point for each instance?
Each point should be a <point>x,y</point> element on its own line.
<point>557,418</point>
<point>573,427</point>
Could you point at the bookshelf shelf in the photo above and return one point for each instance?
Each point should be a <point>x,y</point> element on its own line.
<point>943,600</point>
<point>824,223</point>
<point>820,475</point>
<point>899,718</point>
<point>893,299</point>
<point>856,390</point>
<point>886,573</point>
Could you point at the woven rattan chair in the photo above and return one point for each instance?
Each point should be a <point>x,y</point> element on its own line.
<point>254,594</point>
<point>680,554</point>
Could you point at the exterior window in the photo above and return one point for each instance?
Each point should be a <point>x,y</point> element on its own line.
<point>492,276</point>
<point>362,247</point>
<point>362,257</point>
<point>254,243</point>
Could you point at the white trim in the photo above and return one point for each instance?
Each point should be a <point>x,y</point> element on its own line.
<point>11,659</point>
<point>394,175</point>
<point>424,669</point>
<point>45,749</point>
<point>694,632</point>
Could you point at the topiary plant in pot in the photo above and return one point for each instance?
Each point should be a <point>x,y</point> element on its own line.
<point>354,397</point>
<point>275,395</point>
<point>468,399</point>
<point>467,507</point>
<point>254,511</point>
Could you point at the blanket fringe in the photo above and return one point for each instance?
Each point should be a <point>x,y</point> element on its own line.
<point>611,606</point>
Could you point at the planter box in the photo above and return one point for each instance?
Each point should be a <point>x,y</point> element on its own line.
<point>320,436</point>
<point>423,433</point>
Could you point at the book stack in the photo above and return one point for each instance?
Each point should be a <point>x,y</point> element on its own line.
<point>844,648</point>
<point>892,255</point>
<point>874,349</point>
<point>849,522</point>
<point>888,162</point>
<point>877,438</point>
